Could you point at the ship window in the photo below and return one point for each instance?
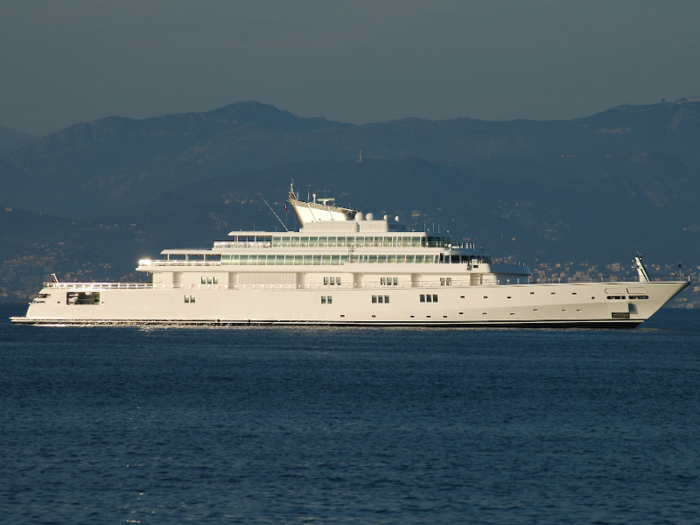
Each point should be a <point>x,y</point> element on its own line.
<point>215,280</point>
<point>295,241</point>
<point>326,260</point>
<point>382,281</point>
<point>308,260</point>
<point>341,241</point>
<point>381,259</point>
<point>244,259</point>
<point>335,259</point>
<point>330,299</point>
<point>435,298</point>
<point>280,259</point>
<point>419,259</point>
<point>401,259</point>
<point>428,298</point>
<point>210,280</point>
<point>83,298</point>
<point>313,241</point>
<point>325,280</point>
<point>203,280</point>
<point>323,241</point>
<point>372,259</point>
<point>409,259</point>
<point>380,298</point>
<point>386,299</point>
<point>455,259</point>
<point>391,258</point>
<point>422,298</point>
<point>331,241</point>
<point>304,241</point>
<point>343,259</point>
<point>187,298</point>
<point>323,299</point>
<point>374,299</point>
<point>415,241</point>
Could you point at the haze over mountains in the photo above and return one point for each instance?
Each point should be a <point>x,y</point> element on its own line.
<point>595,189</point>
<point>11,139</point>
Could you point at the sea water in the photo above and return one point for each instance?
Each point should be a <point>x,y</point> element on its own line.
<point>333,425</point>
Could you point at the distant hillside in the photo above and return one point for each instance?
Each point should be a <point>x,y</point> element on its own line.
<point>11,139</point>
<point>118,166</point>
<point>611,210</point>
<point>589,191</point>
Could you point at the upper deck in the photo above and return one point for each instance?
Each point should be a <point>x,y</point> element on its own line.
<point>318,240</point>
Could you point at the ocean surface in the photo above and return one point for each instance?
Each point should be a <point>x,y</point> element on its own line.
<point>329,425</point>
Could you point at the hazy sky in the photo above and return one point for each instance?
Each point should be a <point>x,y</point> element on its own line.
<point>63,62</point>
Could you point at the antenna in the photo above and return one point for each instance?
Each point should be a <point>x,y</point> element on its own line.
<point>273,211</point>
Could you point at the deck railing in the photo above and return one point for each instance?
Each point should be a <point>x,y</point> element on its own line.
<point>178,262</point>
<point>101,286</point>
<point>318,286</point>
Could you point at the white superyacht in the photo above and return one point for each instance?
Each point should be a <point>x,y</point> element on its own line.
<point>344,268</point>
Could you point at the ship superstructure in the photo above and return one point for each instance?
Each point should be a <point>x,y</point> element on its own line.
<point>346,268</point>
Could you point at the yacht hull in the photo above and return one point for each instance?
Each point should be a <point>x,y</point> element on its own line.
<point>556,305</point>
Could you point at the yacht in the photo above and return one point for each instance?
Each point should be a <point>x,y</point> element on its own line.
<point>346,268</point>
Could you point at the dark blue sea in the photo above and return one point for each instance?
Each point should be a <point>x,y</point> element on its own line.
<point>329,425</point>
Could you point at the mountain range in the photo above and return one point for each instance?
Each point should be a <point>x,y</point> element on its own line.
<point>594,189</point>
